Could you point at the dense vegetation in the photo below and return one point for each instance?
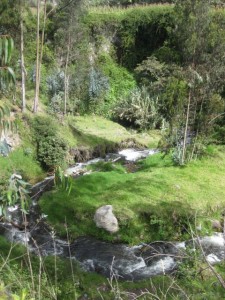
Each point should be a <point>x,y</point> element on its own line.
<point>91,74</point>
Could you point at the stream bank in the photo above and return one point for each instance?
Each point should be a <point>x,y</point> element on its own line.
<point>128,263</point>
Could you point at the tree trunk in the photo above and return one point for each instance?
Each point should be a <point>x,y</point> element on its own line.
<point>23,70</point>
<point>42,45</point>
<point>186,129</point>
<point>66,77</point>
<point>36,98</point>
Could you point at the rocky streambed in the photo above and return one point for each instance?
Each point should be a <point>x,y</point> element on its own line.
<point>128,263</point>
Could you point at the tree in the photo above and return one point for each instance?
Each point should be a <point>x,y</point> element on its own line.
<point>39,48</point>
<point>37,82</point>
<point>22,63</point>
<point>202,70</point>
<point>7,77</point>
<point>9,16</point>
<point>69,33</point>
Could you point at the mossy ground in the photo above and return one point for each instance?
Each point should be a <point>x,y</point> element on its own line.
<point>159,201</point>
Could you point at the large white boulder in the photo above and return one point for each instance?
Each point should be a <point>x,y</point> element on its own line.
<point>104,218</point>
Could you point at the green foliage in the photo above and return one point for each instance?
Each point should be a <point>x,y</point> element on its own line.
<point>6,295</point>
<point>62,181</point>
<point>126,2</point>
<point>173,99</point>
<point>55,89</point>
<point>5,122</point>
<point>135,26</point>
<point>193,20</point>
<point>4,148</point>
<point>6,48</point>
<point>165,218</point>
<point>219,134</point>
<point>138,109</point>
<point>9,15</point>
<point>151,70</point>
<point>167,53</point>
<point>15,192</point>
<point>120,81</point>
<point>51,149</point>
<point>7,75</point>
<point>98,84</point>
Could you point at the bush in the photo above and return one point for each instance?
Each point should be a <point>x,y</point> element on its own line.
<point>120,81</point>
<point>219,134</point>
<point>51,149</point>
<point>138,109</point>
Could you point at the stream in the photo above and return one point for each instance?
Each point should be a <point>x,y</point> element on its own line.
<point>128,263</point>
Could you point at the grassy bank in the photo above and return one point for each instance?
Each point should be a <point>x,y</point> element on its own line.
<point>159,201</point>
<point>93,130</point>
<point>81,131</point>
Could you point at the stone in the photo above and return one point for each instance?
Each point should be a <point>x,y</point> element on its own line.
<point>104,218</point>
<point>216,225</point>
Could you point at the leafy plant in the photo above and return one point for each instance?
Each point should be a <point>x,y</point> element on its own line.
<point>4,118</point>
<point>7,75</point>
<point>51,149</point>
<point>98,84</point>
<point>55,83</point>
<point>15,192</point>
<point>138,109</point>
<point>62,181</point>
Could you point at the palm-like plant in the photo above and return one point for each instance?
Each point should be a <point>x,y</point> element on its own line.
<point>5,121</point>
<point>7,75</point>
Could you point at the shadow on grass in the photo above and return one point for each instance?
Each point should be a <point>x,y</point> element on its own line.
<point>89,139</point>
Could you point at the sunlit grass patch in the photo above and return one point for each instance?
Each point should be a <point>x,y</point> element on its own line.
<point>157,201</point>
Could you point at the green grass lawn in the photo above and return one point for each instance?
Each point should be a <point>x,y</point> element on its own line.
<point>93,130</point>
<point>159,201</point>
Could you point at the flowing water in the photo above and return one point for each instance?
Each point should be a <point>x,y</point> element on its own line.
<point>129,263</point>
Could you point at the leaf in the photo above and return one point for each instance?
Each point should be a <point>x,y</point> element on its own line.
<point>12,75</point>
<point>1,43</point>
<point>6,50</point>
<point>10,48</point>
<point>9,197</point>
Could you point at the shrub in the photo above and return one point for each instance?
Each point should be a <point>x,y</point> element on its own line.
<point>120,80</point>
<point>138,109</point>
<point>219,134</point>
<point>51,149</point>
<point>98,84</point>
